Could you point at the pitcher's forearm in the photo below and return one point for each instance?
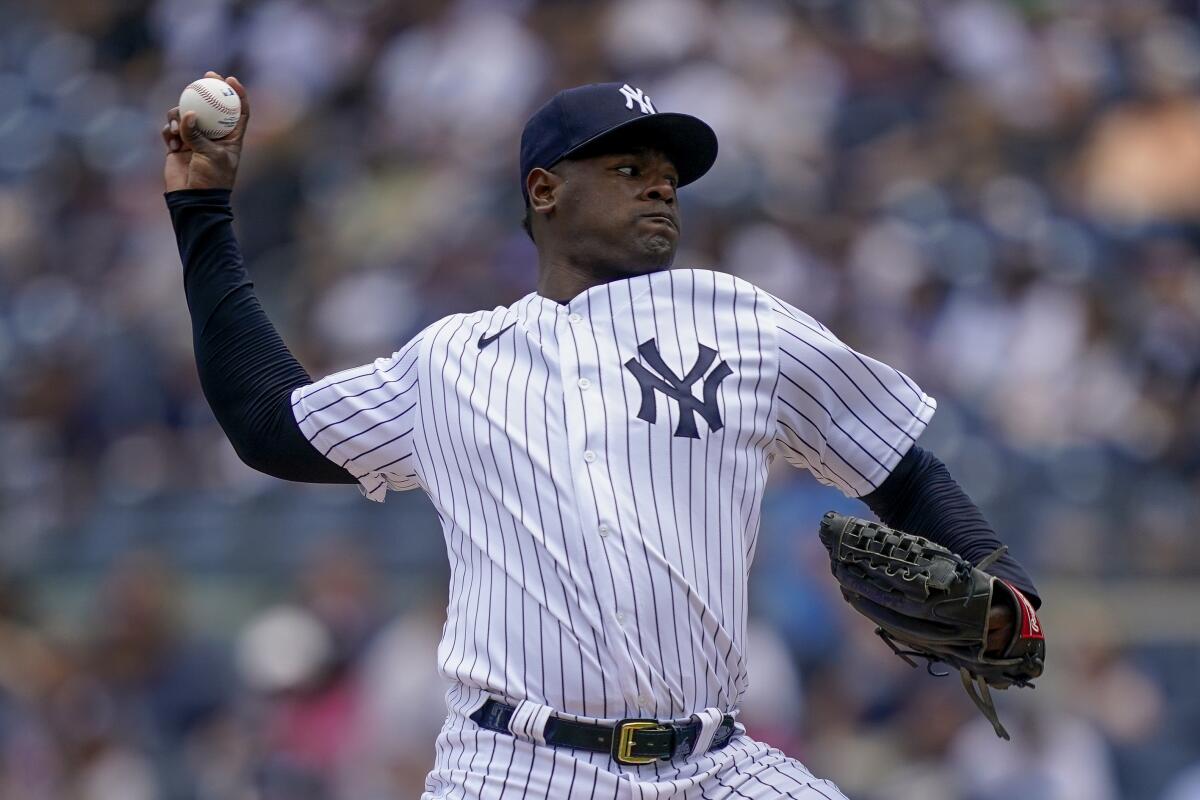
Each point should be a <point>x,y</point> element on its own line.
<point>246,371</point>
<point>212,261</point>
<point>921,497</point>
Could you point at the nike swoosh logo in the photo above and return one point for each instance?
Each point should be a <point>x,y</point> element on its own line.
<point>484,341</point>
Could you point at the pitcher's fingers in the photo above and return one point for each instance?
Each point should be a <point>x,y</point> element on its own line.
<point>211,74</point>
<point>172,141</point>
<point>189,132</point>
<point>172,128</point>
<point>237,86</point>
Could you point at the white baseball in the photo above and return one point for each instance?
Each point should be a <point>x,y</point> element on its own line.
<point>216,104</point>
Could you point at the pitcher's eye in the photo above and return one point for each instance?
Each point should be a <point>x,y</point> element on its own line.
<point>628,170</point>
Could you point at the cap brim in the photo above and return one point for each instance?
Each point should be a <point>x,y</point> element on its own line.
<point>689,142</point>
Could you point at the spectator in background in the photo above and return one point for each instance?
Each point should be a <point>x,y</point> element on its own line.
<point>1053,756</point>
<point>403,707</point>
<point>307,703</point>
<point>61,732</point>
<point>98,759</point>
<point>308,663</point>
<point>161,682</point>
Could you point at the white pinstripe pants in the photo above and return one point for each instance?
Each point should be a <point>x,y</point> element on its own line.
<point>477,764</point>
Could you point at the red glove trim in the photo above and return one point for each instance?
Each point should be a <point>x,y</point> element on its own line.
<point>1031,626</point>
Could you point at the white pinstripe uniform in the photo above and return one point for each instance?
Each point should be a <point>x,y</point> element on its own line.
<point>600,525</point>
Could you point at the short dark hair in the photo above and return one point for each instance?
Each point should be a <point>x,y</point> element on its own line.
<point>527,223</point>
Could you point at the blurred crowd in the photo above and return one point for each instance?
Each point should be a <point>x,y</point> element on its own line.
<point>997,197</point>
<point>322,686</point>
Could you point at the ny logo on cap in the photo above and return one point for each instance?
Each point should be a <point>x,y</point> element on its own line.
<point>636,96</point>
<point>680,389</point>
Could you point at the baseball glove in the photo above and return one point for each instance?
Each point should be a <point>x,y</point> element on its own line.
<point>931,603</point>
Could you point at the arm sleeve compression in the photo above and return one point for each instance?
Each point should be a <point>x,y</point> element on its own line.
<point>246,371</point>
<point>921,497</point>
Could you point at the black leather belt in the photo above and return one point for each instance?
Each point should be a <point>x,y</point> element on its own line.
<point>630,741</point>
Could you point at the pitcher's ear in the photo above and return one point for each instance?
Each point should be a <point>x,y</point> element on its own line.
<point>542,187</point>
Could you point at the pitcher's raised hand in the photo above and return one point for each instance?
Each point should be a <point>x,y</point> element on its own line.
<point>196,162</point>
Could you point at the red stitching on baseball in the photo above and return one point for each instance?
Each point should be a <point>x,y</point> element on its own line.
<point>212,99</point>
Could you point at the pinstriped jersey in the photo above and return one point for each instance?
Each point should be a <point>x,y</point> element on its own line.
<point>598,467</point>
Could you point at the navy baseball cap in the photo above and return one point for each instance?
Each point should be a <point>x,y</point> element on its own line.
<point>576,120</point>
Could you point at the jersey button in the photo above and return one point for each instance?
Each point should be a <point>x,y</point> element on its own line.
<point>604,530</point>
<point>620,617</point>
<point>584,383</point>
<point>589,456</point>
<point>575,318</point>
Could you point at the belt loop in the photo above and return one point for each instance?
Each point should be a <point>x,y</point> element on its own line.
<point>709,719</point>
<point>529,721</point>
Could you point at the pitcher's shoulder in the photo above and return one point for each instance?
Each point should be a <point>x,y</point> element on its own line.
<point>714,281</point>
<point>740,295</point>
<point>451,331</point>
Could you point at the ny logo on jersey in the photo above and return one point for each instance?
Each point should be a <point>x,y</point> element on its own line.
<point>635,96</point>
<point>679,389</point>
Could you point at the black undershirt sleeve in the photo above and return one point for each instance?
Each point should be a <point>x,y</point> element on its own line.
<point>920,497</point>
<point>246,371</point>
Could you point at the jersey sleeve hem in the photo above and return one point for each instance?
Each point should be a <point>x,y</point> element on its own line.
<point>373,485</point>
<point>900,444</point>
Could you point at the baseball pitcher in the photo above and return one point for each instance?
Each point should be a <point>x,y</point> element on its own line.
<point>597,452</point>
